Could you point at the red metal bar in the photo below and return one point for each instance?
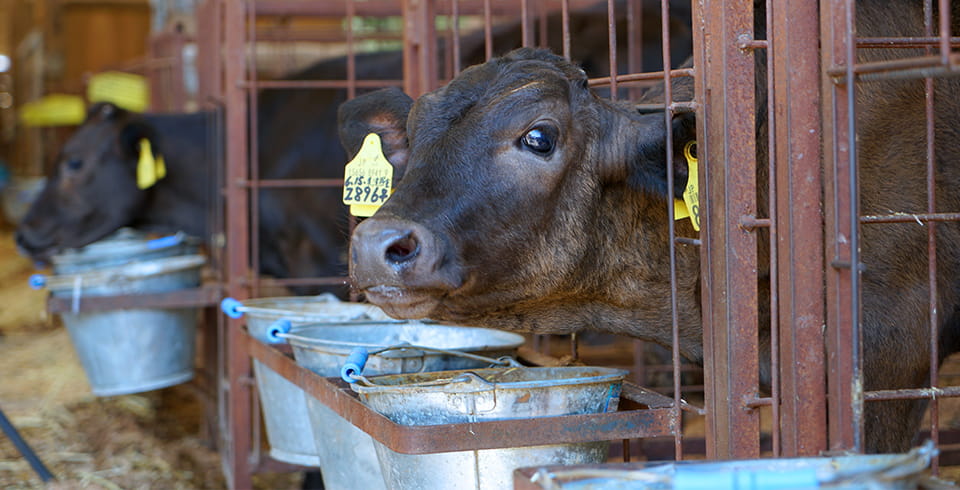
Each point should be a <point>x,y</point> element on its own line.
<point>238,394</point>
<point>286,84</point>
<point>612,42</point>
<point>419,41</point>
<point>337,395</point>
<point>845,412</point>
<point>208,63</point>
<point>668,122</point>
<point>726,132</point>
<point>934,327</point>
<point>797,270</point>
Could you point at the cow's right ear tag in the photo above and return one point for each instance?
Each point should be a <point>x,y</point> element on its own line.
<point>147,168</point>
<point>367,178</point>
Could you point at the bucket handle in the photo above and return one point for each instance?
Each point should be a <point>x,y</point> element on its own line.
<point>353,367</point>
<point>164,242</point>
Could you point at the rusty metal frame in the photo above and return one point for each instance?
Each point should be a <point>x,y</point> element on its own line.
<point>813,280</point>
<point>726,129</point>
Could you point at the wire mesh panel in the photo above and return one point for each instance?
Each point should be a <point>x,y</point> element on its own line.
<point>876,61</point>
<point>786,246</point>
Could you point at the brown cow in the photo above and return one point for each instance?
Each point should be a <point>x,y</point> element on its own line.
<point>531,204</point>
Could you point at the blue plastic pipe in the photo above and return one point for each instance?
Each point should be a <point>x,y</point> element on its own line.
<point>354,364</point>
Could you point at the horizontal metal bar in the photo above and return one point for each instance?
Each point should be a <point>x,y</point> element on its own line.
<point>912,394</point>
<point>745,42</point>
<point>636,77</point>
<point>336,395</point>
<point>751,223</point>
<point>689,241</point>
<point>764,401</point>
<point>290,183</point>
<point>316,84</point>
<point>301,281</point>
<point>914,67</point>
<point>185,298</point>
<point>903,42</point>
<point>919,218</point>
<point>382,8</point>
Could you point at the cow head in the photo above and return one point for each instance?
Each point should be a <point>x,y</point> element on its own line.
<point>522,192</point>
<point>93,190</point>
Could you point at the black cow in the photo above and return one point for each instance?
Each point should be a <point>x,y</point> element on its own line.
<point>531,204</point>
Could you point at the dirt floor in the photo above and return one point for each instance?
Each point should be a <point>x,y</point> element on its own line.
<point>144,441</point>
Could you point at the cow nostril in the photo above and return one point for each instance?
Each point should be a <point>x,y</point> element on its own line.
<point>403,249</point>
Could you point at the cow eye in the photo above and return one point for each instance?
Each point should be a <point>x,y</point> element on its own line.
<point>540,139</point>
<point>74,164</point>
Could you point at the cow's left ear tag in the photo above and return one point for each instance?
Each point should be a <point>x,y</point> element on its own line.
<point>150,169</point>
<point>689,206</point>
<point>367,179</point>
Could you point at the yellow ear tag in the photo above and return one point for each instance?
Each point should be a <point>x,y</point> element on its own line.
<point>367,178</point>
<point>690,205</point>
<point>149,170</point>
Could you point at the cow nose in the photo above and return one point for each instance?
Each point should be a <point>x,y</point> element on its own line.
<point>394,252</point>
<point>401,246</point>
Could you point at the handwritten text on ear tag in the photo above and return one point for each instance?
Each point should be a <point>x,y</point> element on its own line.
<point>367,178</point>
<point>690,206</point>
<point>150,169</point>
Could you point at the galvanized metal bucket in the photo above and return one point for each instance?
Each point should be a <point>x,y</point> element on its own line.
<point>124,246</point>
<point>487,394</point>
<point>284,404</point>
<point>134,350</point>
<point>347,455</point>
<point>873,471</point>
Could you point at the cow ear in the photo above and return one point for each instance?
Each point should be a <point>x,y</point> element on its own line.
<point>646,141</point>
<point>383,112</point>
<point>131,135</point>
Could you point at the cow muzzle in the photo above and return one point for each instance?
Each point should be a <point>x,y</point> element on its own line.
<point>401,266</point>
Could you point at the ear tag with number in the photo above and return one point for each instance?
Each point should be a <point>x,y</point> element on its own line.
<point>690,205</point>
<point>367,178</point>
<point>150,169</point>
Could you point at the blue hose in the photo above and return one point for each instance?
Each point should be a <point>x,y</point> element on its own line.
<point>354,364</point>
<point>163,242</point>
<point>276,328</point>
<point>231,307</point>
<point>38,281</point>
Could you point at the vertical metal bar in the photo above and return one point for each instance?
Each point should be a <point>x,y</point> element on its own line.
<point>845,399</point>
<point>526,30</point>
<point>455,25</point>
<point>932,226</point>
<point>671,225</point>
<point>253,157</point>
<point>796,234</point>
<point>772,159</point>
<point>635,41</point>
<point>944,28</point>
<point>854,232</point>
<point>488,30</point>
<point>565,20</point>
<point>237,445</point>
<point>612,35</point>
<point>727,127</point>
<point>208,51</point>
<point>420,37</point>
<point>351,52</point>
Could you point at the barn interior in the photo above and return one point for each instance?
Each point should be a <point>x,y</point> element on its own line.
<point>265,77</point>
